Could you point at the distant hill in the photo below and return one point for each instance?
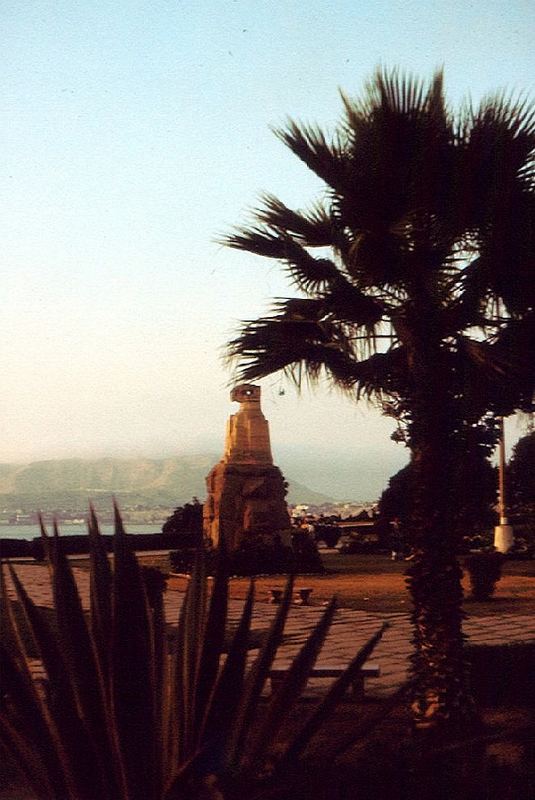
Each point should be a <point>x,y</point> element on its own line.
<point>70,483</point>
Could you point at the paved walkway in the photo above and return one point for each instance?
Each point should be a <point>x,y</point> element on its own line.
<point>349,631</point>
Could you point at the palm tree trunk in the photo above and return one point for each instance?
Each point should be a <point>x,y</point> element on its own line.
<point>441,698</point>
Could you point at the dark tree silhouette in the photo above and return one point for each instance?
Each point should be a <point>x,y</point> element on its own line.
<point>475,486</point>
<point>521,474</point>
<point>186,523</point>
<point>422,298</point>
<point>520,495</point>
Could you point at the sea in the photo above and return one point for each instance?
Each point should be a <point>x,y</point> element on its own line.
<point>31,531</point>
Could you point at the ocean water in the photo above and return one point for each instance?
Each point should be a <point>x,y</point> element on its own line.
<point>31,531</point>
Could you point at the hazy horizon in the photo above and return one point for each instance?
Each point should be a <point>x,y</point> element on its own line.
<point>137,134</point>
<point>355,473</point>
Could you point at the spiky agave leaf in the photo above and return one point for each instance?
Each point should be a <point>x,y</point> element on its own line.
<point>28,759</point>
<point>161,683</point>
<point>133,673</point>
<point>190,637</point>
<point>331,700</point>
<point>45,543</point>
<point>100,593</point>
<point>289,690</point>
<point>207,755</point>
<point>81,655</point>
<point>37,751</point>
<point>256,679</point>
<point>81,770</point>
<point>73,633</point>
<point>193,726</point>
<point>214,637</point>
<point>229,687</point>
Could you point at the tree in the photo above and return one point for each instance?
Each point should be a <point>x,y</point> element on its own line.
<point>475,494</point>
<point>521,474</point>
<point>422,298</point>
<point>520,493</point>
<point>186,523</point>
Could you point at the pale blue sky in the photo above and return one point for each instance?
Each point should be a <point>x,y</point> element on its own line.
<point>133,133</point>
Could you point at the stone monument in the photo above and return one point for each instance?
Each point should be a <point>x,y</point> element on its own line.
<point>246,492</point>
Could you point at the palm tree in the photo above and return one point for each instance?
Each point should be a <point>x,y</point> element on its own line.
<point>421,296</point>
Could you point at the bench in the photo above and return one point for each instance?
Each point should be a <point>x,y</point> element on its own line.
<point>301,595</point>
<point>369,670</point>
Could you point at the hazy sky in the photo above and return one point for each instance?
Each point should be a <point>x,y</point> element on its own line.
<point>135,132</point>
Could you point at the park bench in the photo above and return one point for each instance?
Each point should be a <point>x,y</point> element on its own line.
<point>369,670</point>
<point>301,596</point>
<point>276,675</point>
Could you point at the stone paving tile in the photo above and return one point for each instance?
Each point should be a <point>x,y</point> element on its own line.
<point>350,629</point>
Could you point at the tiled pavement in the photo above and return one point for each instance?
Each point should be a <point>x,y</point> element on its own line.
<point>349,631</point>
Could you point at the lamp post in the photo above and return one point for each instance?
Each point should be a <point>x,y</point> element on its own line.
<point>503,533</point>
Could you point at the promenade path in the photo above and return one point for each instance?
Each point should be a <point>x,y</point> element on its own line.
<point>349,631</point>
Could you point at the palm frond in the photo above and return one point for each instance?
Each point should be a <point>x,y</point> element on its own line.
<point>398,152</point>
<point>499,375</point>
<point>495,168</point>
<point>346,302</point>
<point>506,111</point>
<point>397,91</point>
<point>307,272</point>
<point>313,228</point>
<point>299,347</point>
<point>324,158</point>
<point>507,249</point>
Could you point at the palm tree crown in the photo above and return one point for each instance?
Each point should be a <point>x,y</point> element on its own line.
<point>427,225</point>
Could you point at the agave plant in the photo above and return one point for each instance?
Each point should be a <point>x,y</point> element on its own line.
<point>119,718</point>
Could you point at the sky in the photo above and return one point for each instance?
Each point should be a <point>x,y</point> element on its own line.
<point>134,134</point>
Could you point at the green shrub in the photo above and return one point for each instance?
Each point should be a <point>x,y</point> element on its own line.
<point>330,534</point>
<point>120,719</point>
<point>502,674</point>
<point>183,560</point>
<point>185,523</point>
<point>256,556</point>
<point>485,570</point>
<point>155,584</point>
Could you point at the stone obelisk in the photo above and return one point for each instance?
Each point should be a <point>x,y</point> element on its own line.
<point>246,492</point>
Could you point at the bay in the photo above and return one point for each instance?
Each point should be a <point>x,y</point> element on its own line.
<point>31,531</point>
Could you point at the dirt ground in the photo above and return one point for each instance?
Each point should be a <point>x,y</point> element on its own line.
<point>374,583</point>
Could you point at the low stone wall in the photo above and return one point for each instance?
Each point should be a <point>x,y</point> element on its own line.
<point>79,544</point>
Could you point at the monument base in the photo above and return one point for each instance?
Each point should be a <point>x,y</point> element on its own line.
<point>246,500</point>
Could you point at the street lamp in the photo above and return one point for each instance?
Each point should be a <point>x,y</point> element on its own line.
<point>503,533</point>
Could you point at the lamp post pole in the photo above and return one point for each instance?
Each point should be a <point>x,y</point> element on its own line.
<point>503,532</point>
